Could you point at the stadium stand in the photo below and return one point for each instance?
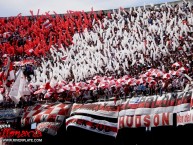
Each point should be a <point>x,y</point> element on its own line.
<point>93,57</point>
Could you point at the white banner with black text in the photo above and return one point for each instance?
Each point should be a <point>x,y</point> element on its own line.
<point>91,124</point>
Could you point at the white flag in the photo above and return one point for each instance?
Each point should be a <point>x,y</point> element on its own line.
<point>1,98</point>
<point>19,88</point>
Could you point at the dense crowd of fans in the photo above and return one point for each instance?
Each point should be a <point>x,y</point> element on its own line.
<point>99,55</point>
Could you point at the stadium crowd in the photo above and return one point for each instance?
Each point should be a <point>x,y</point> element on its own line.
<point>82,57</point>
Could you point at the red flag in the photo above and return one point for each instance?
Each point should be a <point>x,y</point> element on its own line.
<point>28,50</point>
<point>47,86</point>
<point>95,16</point>
<point>59,41</point>
<point>36,52</point>
<point>10,50</point>
<point>109,15</point>
<point>50,41</point>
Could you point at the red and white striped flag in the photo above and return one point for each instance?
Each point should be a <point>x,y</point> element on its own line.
<point>45,113</point>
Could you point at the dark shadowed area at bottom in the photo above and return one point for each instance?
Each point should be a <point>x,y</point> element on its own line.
<point>180,135</point>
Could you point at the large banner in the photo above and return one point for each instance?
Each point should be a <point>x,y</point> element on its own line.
<point>9,114</point>
<point>184,118</point>
<point>45,113</point>
<point>91,124</point>
<point>167,103</point>
<point>134,112</point>
<point>105,109</point>
<point>152,120</point>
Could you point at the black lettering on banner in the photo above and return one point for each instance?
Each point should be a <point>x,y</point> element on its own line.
<point>59,118</point>
<point>107,128</point>
<point>165,101</point>
<point>148,102</point>
<point>100,127</point>
<point>84,122</point>
<point>31,120</point>
<point>93,126</point>
<point>44,117</point>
